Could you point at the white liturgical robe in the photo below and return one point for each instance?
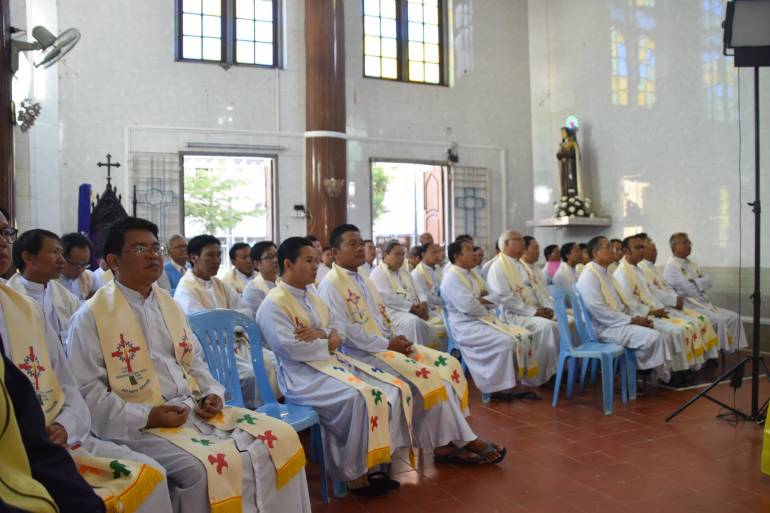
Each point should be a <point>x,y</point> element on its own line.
<point>615,326</point>
<point>687,280</point>
<point>124,422</point>
<point>488,352</point>
<point>399,302</point>
<point>565,277</point>
<point>520,312</point>
<point>81,287</point>
<point>427,281</point>
<point>58,303</point>
<point>676,333</point>
<point>341,409</point>
<point>436,427</point>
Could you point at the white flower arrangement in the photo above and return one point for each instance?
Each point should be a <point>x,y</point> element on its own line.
<point>572,206</point>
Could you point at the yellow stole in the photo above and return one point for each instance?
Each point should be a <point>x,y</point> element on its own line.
<point>131,347</point>
<point>191,284</point>
<point>85,284</point>
<point>261,283</point>
<point>608,298</point>
<point>234,280</point>
<point>515,282</point>
<point>540,290</point>
<point>375,399</point>
<point>404,287</point>
<point>124,492</point>
<point>424,377</point>
<point>65,304</point>
<point>18,488</point>
<point>649,271</point>
<point>107,277</point>
<point>29,353</point>
<point>524,339</point>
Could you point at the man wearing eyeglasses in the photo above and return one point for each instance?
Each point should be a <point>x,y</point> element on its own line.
<point>38,256</point>
<point>688,280</point>
<point>166,384</point>
<point>76,276</point>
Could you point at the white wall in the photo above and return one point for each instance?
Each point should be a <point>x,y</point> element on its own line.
<point>682,152</point>
<point>120,91</point>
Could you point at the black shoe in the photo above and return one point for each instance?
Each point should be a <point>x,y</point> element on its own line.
<point>383,481</point>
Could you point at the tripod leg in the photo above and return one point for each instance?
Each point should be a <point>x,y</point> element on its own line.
<point>708,388</point>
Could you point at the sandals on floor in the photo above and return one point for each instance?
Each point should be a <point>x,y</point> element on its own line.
<point>489,447</point>
<point>454,457</point>
<point>526,395</point>
<point>370,490</point>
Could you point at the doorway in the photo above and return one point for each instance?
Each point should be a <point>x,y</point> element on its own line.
<point>408,198</point>
<point>230,197</point>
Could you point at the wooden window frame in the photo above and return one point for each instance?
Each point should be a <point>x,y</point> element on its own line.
<point>402,45</point>
<point>228,37</point>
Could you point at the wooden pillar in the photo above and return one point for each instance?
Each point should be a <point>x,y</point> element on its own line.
<point>326,146</point>
<point>6,113</point>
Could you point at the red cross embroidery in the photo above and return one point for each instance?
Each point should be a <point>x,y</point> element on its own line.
<point>268,438</point>
<point>184,344</point>
<point>423,373</point>
<point>352,297</point>
<point>32,367</point>
<point>298,323</point>
<point>219,461</point>
<point>374,422</point>
<point>455,376</point>
<point>125,352</point>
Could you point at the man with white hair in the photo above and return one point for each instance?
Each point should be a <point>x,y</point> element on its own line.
<point>687,279</point>
<point>521,306</point>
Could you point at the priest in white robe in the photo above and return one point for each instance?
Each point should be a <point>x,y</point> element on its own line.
<point>534,274</point>
<point>687,279</point>
<point>200,290</point>
<point>327,260</point>
<point>687,353</point>
<point>521,306</point>
<point>265,256</point>
<point>75,276</point>
<point>566,276</point>
<point>37,254</point>
<point>442,427</point>
<point>409,315</point>
<point>312,373</point>
<point>242,271</point>
<point>427,278</point>
<point>133,252</point>
<point>491,348</point>
<point>68,420</point>
<point>613,321</point>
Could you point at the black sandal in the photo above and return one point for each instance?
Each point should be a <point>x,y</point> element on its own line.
<point>382,480</point>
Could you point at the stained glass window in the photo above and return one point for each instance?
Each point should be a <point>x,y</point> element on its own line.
<point>403,40</point>
<point>619,68</point>
<point>646,85</point>
<point>228,31</point>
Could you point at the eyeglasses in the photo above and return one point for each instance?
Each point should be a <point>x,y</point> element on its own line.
<point>268,258</point>
<point>9,234</point>
<point>75,264</point>
<point>141,249</point>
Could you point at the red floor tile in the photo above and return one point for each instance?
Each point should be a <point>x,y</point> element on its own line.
<point>574,459</point>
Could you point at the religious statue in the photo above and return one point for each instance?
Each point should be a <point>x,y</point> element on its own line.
<point>569,163</point>
<point>571,202</point>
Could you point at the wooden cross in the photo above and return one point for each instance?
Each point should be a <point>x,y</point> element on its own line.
<point>108,165</point>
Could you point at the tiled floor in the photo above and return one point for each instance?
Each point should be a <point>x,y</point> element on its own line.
<point>573,459</point>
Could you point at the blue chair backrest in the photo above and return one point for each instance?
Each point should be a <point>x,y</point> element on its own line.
<point>214,331</point>
<point>256,342</point>
<point>583,322</point>
<point>560,309</point>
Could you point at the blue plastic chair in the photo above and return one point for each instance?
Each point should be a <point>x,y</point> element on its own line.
<point>607,354</point>
<point>630,356</point>
<point>214,330</point>
<point>453,347</point>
